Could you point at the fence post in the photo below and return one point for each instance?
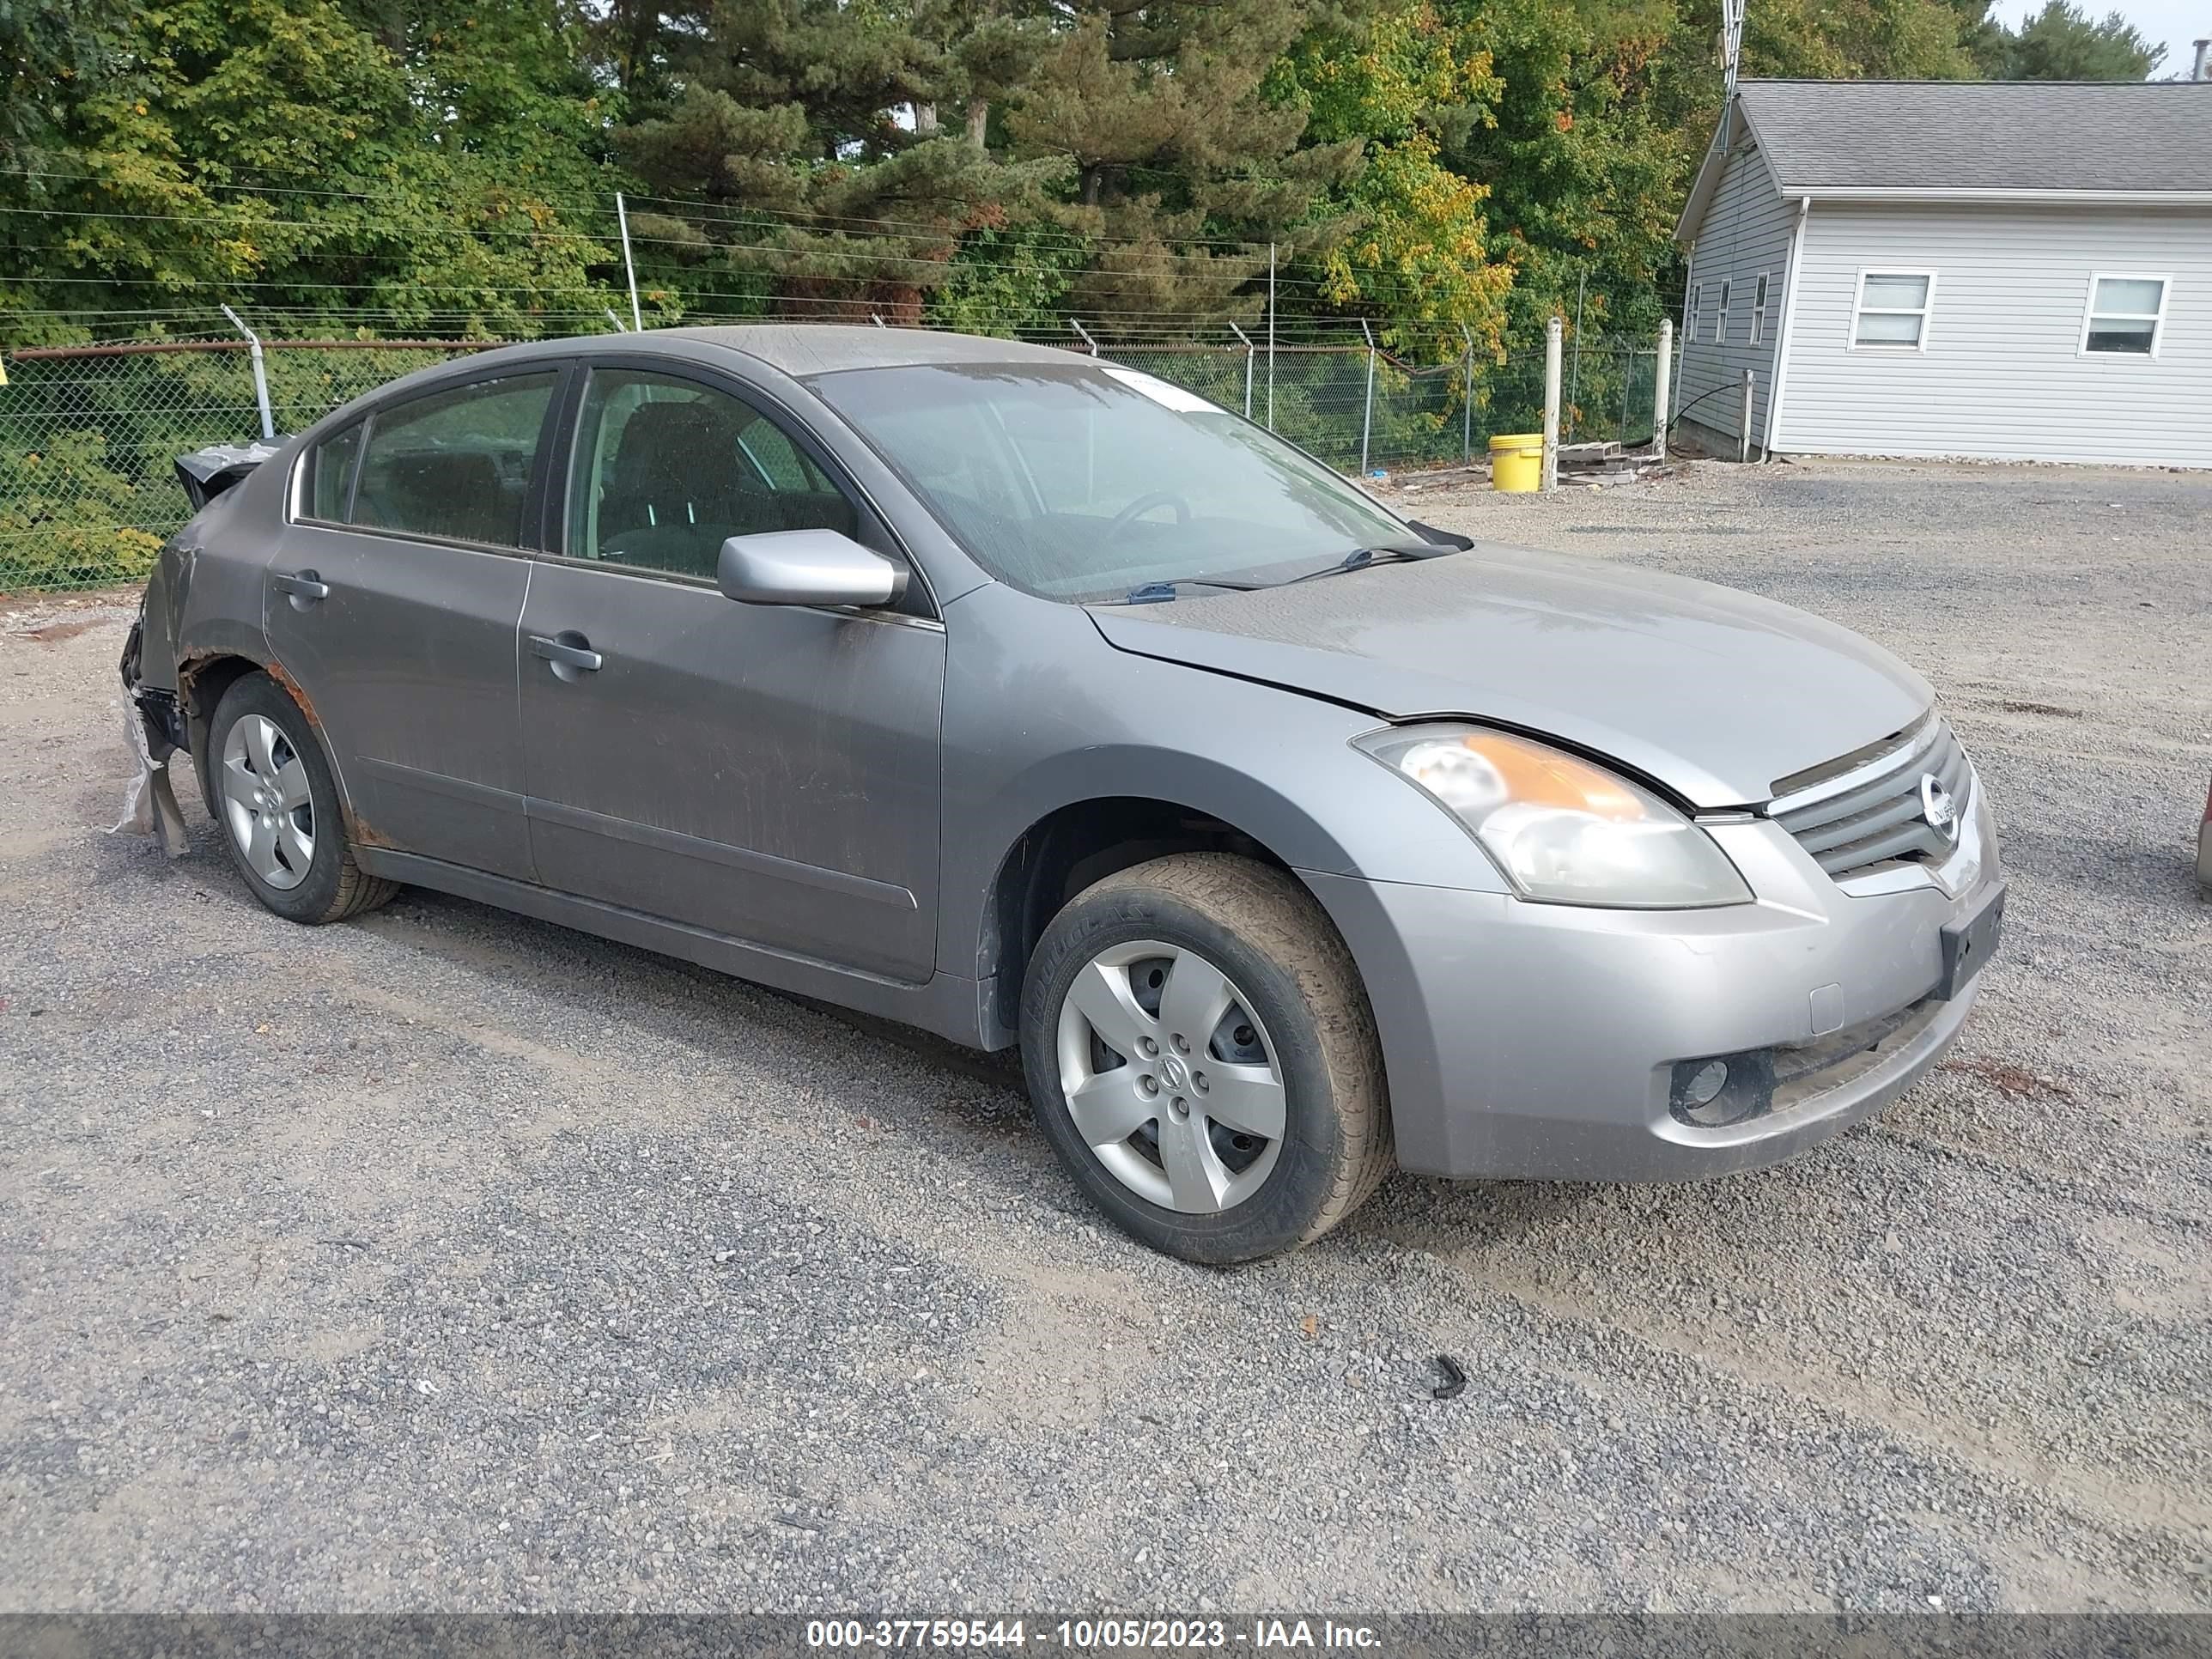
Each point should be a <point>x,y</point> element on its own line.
<point>1659,388</point>
<point>1271,337</point>
<point>629,269</point>
<point>1084,334</point>
<point>1367,415</point>
<point>1574,374</point>
<point>1466,402</point>
<point>1247,338</point>
<point>1550,476</point>
<point>260,375</point>
<point>1743,421</point>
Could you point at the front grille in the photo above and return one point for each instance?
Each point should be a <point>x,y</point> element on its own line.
<point>1865,809</point>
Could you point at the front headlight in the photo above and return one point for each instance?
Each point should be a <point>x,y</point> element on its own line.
<point>1560,829</point>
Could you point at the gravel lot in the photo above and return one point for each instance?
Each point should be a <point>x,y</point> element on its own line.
<point>446,1259</point>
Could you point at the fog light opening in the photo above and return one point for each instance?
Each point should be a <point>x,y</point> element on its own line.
<point>1705,1082</point>
<point>1721,1090</point>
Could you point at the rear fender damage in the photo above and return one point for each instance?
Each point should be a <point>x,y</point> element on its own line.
<point>168,706</point>
<point>154,727</point>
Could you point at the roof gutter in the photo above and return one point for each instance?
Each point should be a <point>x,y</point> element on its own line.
<point>2012,197</point>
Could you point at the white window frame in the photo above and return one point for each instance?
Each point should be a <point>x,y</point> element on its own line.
<point>1926,312</point>
<point>1759,310</point>
<point>2090,313</point>
<point>1697,311</point>
<point>1720,317</point>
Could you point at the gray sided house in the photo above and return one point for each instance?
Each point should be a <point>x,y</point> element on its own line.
<point>2006,270</point>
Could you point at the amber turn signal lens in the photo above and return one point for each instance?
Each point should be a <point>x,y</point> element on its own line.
<point>1537,776</point>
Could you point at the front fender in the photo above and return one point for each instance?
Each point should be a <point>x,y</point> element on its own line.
<point>1041,712</point>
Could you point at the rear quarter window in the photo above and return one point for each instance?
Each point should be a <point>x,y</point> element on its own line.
<point>330,475</point>
<point>455,465</point>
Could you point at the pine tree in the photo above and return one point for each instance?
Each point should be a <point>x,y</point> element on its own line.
<point>807,131</point>
<point>2061,43</point>
<point>1181,162</point>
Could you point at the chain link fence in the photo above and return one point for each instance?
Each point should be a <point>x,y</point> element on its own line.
<point>88,436</point>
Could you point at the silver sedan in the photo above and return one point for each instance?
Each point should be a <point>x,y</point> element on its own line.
<point>1030,700</point>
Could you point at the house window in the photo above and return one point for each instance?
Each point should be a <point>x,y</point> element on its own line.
<point>1892,313</point>
<point>1720,317</point>
<point>1696,310</point>
<point>1759,310</point>
<point>2126,314</point>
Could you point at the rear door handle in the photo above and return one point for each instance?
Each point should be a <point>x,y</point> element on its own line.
<point>305,587</point>
<point>570,652</point>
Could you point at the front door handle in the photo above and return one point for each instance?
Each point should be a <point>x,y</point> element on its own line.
<point>304,587</point>
<point>570,652</point>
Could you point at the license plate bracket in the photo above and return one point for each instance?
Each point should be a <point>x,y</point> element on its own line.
<point>1967,944</point>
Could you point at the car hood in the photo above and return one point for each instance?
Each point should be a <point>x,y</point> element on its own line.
<point>1714,693</point>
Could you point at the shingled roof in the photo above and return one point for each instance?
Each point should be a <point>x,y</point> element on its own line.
<point>1968,140</point>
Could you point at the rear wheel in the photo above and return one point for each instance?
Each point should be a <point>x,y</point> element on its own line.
<point>1201,1054</point>
<point>272,792</point>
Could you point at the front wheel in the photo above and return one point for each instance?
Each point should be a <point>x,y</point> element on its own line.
<point>1201,1056</point>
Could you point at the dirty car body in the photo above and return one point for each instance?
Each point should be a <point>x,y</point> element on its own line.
<point>514,639</point>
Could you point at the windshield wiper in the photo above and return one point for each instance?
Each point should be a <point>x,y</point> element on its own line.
<point>1358,559</point>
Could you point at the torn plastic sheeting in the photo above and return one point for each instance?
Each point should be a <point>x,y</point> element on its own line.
<point>149,799</point>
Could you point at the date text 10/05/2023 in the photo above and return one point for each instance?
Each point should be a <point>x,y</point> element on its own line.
<point>1091,1635</point>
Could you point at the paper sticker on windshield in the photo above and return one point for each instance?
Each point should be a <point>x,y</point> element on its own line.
<point>1166,396</point>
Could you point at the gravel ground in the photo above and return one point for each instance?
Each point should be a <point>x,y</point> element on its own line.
<point>448,1260</point>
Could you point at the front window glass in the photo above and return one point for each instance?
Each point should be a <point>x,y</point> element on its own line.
<point>1088,482</point>
<point>455,465</point>
<point>665,470</point>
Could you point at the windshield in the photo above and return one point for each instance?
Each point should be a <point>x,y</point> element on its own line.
<point>1092,481</point>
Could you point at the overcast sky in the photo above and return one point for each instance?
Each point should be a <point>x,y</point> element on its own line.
<point>2176,22</point>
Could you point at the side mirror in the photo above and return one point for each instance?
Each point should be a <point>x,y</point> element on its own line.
<point>807,567</point>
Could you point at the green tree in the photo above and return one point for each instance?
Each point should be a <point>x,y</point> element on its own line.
<point>1583,146</point>
<point>1855,39</point>
<point>2061,43</point>
<point>1179,158</point>
<point>277,154</point>
<point>1415,246</point>
<point>796,126</point>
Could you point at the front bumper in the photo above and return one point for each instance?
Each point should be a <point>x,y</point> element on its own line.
<point>1540,1040</point>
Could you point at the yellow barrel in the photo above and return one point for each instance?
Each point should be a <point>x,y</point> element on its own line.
<point>1516,461</point>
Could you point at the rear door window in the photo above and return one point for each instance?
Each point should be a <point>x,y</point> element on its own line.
<point>455,466</point>
<point>666,470</point>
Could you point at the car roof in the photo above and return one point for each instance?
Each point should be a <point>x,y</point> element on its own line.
<point>800,349</point>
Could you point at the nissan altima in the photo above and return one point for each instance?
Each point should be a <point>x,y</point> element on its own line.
<point>1029,700</point>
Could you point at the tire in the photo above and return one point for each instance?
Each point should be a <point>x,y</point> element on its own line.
<point>283,829</point>
<point>1296,1020</point>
